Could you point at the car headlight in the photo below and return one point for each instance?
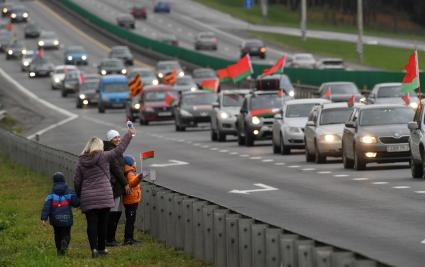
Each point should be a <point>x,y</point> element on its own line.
<point>262,49</point>
<point>294,130</point>
<point>413,105</point>
<point>103,72</point>
<point>160,75</point>
<point>69,57</point>
<point>25,15</point>
<point>5,10</point>
<point>26,63</point>
<point>225,115</point>
<point>363,99</point>
<point>32,74</point>
<point>82,96</point>
<point>155,82</point>
<point>56,42</point>
<point>329,138</point>
<point>181,74</point>
<point>13,16</point>
<point>367,139</point>
<point>185,113</point>
<point>291,93</point>
<point>10,52</point>
<point>41,43</point>
<point>255,120</point>
<point>137,106</point>
<point>84,57</point>
<point>193,89</point>
<point>123,71</point>
<point>57,80</point>
<point>24,51</point>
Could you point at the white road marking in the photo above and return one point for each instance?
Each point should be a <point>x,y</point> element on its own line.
<point>308,169</point>
<point>280,163</point>
<point>423,241</point>
<point>341,175</point>
<point>196,144</point>
<point>255,158</point>
<point>420,192</point>
<point>380,183</point>
<point>294,166</point>
<point>173,162</point>
<point>268,160</point>
<point>324,172</point>
<point>213,148</point>
<point>233,153</point>
<point>224,151</point>
<point>401,187</point>
<point>262,189</point>
<point>360,179</point>
<point>244,155</point>
<point>181,140</point>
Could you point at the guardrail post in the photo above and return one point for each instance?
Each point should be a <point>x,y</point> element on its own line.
<point>198,230</point>
<point>171,219</point>
<point>287,250</point>
<point>272,247</point>
<point>188,224</point>
<point>322,256</point>
<point>163,214</point>
<point>258,245</point>
<point>180,225</point>
<point>305,252</point>
<point>365,263</point>
<point>342,259</point>
<point>141,210</point>
<point>208,221</point>
<point>146,202</point>
<point>232,240</point>
<point>155,211</point>
<point>245,246</point>
<point>220,237</point>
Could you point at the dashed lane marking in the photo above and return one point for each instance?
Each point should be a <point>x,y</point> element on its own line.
<point>420,192</point>
<point>224,151</point>
<point>308,169</point>
<point>341,175</point>
<point>233,153</point>
<point>255,157</point>
<point>268,160</point>
<point>401,187</point>
<point>324,172</point>
<point>294,166</point>
<point>213,148</point>
<point>244,156</point>
<point>360,179</point>
<point>380,183</point>
<point>280,163</point>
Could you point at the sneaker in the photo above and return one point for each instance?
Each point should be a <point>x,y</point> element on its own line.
<point>112,243</point>
<point>94,253</point>
<point>135,241</point>
<point>128,242</point>
<point>103,252</point>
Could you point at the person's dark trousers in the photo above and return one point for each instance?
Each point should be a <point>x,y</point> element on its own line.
<point>97,221</point>
<point>113,220</point>
<point>130,219</point>
<point>62,238</point>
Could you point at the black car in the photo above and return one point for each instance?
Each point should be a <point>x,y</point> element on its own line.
<point>40,67</point>
<point>5,39</point>
<point>32,30</point>
<point>253,48</point>
<point>126,21</point>
<point>19,13</point>
<point>71,82</point>
<point>87,93</point>
<point>5,9</point>
<point>123,53</point>
<point>193,108</point>
<point>132,108</point>
<point>111,66</point>
<point>15,50</point>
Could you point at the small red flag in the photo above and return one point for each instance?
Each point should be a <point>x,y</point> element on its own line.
<point>147,155</point>
<point>279,93</point>
<point>406,98</point>
<point>211,84</point>
<point>351,101</point>
<point>40,53</point>
<point>169,99</point>
<point>276,68</point>
<point>328,92</point>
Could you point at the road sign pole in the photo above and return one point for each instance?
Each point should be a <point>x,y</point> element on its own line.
<point>360,29</point>
<point>304,19</point>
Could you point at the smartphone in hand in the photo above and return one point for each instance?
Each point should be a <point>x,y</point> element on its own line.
<point>130,125</point>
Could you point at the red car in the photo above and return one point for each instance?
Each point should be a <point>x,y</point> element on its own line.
<point>156,103</point>
<point>139,12</point>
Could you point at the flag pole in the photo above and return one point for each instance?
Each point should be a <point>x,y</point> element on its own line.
<point>417,75</point>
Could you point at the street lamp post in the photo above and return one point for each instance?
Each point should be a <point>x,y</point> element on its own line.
<point>360,28</point>
<point>303,19</point>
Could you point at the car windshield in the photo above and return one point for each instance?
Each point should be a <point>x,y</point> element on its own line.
<point>342,89</point>
<point>89,85</point>
<point>266,101</point>
<point>199,99</point>
<point>72,75</point>
<point>233,100</point>
<point>17,45</point>
<point>184,81</point>
<point>332,62</point>
<point>120,51</point>
<point>386,116</point>
<point>155,96</point>
<point>48,35</point>
<point>204,73</point>
<point>299,110</point>
<point>115,87</point>
<point>335,115</point>
<point>112,64</point>
<point>75,50</point>
<point>39,61</point>
<point>168,65</point>
<point>18,9</point>
<point>390,91</point>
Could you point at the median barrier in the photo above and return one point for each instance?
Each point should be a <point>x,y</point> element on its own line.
<point>198,230</point>
<point>232,241</point>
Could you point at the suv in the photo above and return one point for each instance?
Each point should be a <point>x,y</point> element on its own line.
<point>276,82</point>
<point>113,92</point>
<point>417,142</point>
<point>71,82</point>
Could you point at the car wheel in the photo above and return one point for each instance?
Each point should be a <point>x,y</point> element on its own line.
<point>64,93</point>
<point>416,169</point>
<point>79,105</point>
<point>319,158</point>
<point>241,139</point>
<point>284,150</point>
<point>213,135</point>
<point>276,148</point>
<point>348,163</point>
<point>309,157</point>
<point>101,108</point>
<point>249,141</point>
<point>359,163</point>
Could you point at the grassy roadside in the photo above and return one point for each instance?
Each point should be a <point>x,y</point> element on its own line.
<point>378,56</point>
<point>24,242</point>
<point>11,124</point>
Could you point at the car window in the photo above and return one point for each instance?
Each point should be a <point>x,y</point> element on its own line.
<point>268,101</point>
<point>115,87</point>
<point>390,91</point>
<point>89,86</point>
<point>385,116</point>
<point>184,81</point>
<point>158,95</point>
<point>335,116</point>
<point>298,110</point>
<point>206,73</point>
<point>341,89</point>
<point>233,100</point>
<point>198,99</point>
<point>112,64</point>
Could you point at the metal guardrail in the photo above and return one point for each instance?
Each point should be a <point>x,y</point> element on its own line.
<point>3,114</point>
<point>204,230</point>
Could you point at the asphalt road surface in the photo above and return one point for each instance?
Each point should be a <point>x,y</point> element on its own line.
<point>378,212</point>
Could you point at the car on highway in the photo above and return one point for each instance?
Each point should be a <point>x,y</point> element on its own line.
<point>303,60</point>
<point>27,59</point>
<point>6,38</point>
<point>147,75</point>
<point>111,66</point>
<point>206,40</point>
<point>113,92</point>
<point>340,91</point>
<point>330,64</point>
<point>193,108</point>
<point>185,83</point>
<point>15,49</point>
<point>288,126</point>
<point>48,39</point>
<point>253,47</point>
<point>170,39</point>
<point>40,67</point>
<point>126,21</point>
<point>71,82</point>
<point>5,24</point>
<point>202,74</point>
<point>32,30</point>
<point>87,91</point>
<point>19,13</point>
<point>153,104</point>
<point>162,7</point>
<point>167,66</point>
<point>225,111</point>
<point>323,131</point>
<point>376,133</point>
<point>390,93</point>
<point>122,52</point>
<point>58,74</point>
<point>255,116</point>
<point>132,108</point>
<point>139,11</point>
<point>75,55</point>
<point>417,142</point>
<point>276,82</point>
<point>5,9</point>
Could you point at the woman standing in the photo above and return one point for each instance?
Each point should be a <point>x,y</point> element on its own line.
<point>92,185</point>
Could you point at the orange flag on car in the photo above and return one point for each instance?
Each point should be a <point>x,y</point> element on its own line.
<point>170,78</point>
<point>135,86</point>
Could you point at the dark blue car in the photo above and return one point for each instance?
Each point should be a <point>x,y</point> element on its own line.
<point>75,55</point>
<point>162,7</point>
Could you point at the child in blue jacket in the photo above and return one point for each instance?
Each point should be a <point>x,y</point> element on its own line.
<point>58,208</point>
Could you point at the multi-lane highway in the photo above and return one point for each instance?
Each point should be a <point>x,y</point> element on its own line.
<point>377,212</point>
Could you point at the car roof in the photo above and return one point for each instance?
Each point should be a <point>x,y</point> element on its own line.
<point>168,62</point>
<point>65,67</point>
<point>336,83</point>
<point>338,105</point>
<point>307,101</point>
<point>196,92</point>
<point>119,47</point>
<point>387,84</point>
<point>379,106</point>
<point>160,87</point>
<point>114,77</point>
<point>274,76</point>
<point>111,59</point>
<point>235,91</point>
<point>331,59</point>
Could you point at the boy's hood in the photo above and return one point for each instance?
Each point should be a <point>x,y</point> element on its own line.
<point>60,188</point>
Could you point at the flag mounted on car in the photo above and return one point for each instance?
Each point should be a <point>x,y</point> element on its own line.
<point>411,79</point>
<point>223,74</point>
<point>351,101</point>
<point>169,99</point>
<point>277,67</point>
<point>135,86</point>
<point>236,72</point>
<point>211,85</point>
<point>406,98</point>
<point>170,77</point>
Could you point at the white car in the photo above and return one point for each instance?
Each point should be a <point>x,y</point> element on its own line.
<point>185,83</point>
<point>330,63</point>
<point>390,93</point>
<point>288,127</point>
<point>303,60</point>
<point>27,59</point>
<point>58,74</point>
<point>48,40</point>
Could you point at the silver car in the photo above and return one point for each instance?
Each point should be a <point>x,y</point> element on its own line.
<point>417,142</point>
<point>58,74</point>
<point>147,75</point>
<point>206,40</point>
<point>303,60</point>
<point>330,63</point>
<point>164,67</point>
<point>26,60</point>
<point>185,83</point>
<point>390,93</point>
<point>340,91</point>
<point>48,40</point>
<point>376,133</point>
<point>288,127</point>
<point>323,131</point>
<point>223,117</point>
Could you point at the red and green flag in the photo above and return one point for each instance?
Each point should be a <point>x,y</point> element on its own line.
<point>211,85</point>
<point>328,92</point>
<point>263,112</point>
<point>169,99</point>
<point>147,155</point>
<point>277,67</point>
<point>411,78</point>
<point>406,98</point>
<point>223,74</point>
<point>280,93</point>
<point>351,101</point>
<point>241,69</point>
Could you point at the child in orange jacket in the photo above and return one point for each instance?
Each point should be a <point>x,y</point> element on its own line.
<point>131,201</point>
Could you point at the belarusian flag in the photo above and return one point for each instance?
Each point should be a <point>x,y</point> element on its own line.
<point>211,85</point>
<point>277,67</point>
<point>262,112</point>
<point>147,155</point>
<point>351,101</point>
<point>223,74</point>
<point>406,98</point>
<point>328,92</point>
<point>241,69</point>
<point>169,99</point>
<point>411,78</point>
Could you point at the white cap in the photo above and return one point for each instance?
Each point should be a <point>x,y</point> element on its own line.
<point>111,134</point>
